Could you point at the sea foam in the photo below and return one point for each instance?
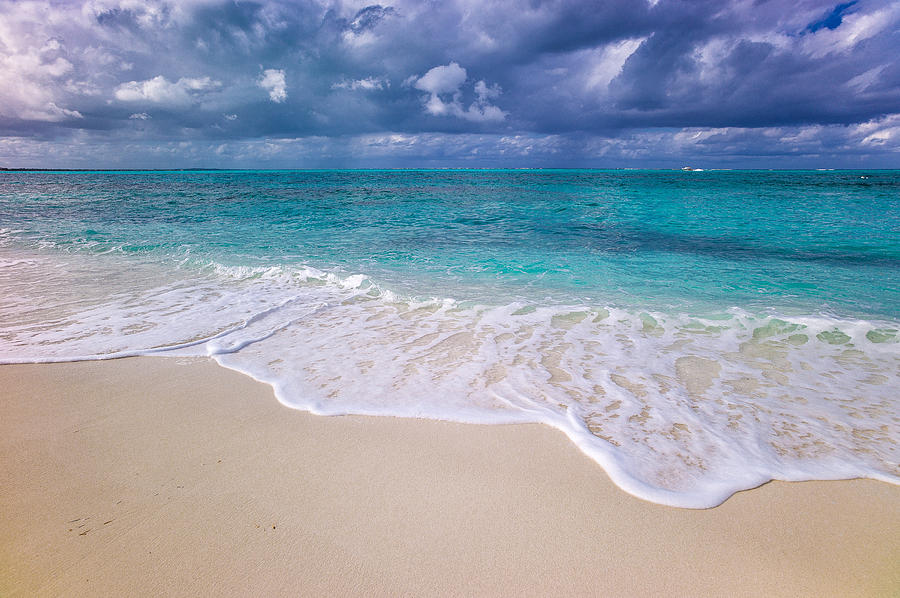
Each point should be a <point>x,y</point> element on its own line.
<point>679,408</point>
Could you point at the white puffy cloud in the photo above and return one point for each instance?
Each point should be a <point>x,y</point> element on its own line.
<point>139,116</point>
<point>481,110</point>
<point>448,80</point>
<point>160,90</point>
<point>272,80</point>
<point>442,79</point>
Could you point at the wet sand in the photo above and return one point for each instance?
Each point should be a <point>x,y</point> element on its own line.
<point>154,476</point>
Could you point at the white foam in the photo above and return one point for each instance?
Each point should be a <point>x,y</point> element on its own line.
<point>679,409</point>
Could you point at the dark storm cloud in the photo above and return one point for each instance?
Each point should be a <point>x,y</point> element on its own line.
<point>752,77</point>
<point>534,81</point>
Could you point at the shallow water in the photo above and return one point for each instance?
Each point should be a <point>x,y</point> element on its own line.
<point>696,333</point>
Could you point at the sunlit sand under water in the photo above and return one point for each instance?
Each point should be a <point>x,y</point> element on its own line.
<point>682,405</point>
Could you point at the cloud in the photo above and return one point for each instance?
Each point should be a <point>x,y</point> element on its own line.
<point>367,84</point>
<point>883,132</point>
<point>842,32</point>
<point>49,112</point>
<point>442,80</point>
<point>34,69</point>
<point>359,31</point>
<point>159,90</point>
<point>618,73</point>
<point>608,64</point>
<point>140,116</point>
<point>874,144</point>
<point>482,109</point>
<point>272,80</point>
<point>448,81</point>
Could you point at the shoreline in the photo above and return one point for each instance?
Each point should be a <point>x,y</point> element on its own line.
<point>172,476</point>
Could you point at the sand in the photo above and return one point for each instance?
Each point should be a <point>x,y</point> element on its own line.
<point>154,477</point>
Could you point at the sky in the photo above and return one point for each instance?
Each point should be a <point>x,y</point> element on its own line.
<point>450,83</point>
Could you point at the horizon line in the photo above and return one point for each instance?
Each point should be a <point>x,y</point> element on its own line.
<point>431,168</point>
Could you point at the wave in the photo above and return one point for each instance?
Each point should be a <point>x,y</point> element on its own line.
<point>679,408</point>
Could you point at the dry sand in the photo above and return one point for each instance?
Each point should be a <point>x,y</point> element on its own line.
<point>155,477</point>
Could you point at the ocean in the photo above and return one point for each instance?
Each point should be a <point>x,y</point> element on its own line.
<point>696,333</point>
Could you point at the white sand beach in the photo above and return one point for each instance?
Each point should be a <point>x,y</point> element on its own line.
<point>165,477</point>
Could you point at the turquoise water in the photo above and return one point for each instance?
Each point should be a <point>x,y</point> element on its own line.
<point>794,240</point>
<point>695,332</point>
